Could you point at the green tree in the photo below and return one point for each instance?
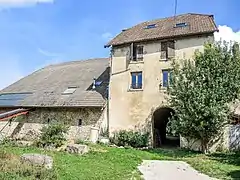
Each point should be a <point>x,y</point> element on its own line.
<point>202,89</point>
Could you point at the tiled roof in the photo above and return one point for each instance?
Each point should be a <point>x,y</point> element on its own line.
<point>45,86</point>
<point>166,28</point>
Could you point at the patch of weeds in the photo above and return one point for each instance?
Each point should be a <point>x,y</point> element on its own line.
<point>80,141</point>
<point>8,142</point>
<point>12,168</point>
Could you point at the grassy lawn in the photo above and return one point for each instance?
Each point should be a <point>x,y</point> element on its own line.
<point>114,163</point>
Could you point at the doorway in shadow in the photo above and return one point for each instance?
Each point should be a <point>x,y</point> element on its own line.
<point>161,136</point>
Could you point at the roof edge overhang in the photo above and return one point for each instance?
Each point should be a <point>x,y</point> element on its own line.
<point>163,38</point>
<point>37,106</point>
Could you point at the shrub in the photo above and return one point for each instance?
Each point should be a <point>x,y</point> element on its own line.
<point>7,142</point>
<point>130,138</point>
<point>52,135</point>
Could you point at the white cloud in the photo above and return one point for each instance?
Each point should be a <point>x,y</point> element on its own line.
<point>21,3</point>
<point>107,36</point>
<point>227,34</point>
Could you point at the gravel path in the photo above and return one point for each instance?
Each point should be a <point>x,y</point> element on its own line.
<point>170,170</point>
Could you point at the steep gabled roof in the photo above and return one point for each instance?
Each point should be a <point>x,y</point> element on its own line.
<point>166,28</point>
<point>45,87</point>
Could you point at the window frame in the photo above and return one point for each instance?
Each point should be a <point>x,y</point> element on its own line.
<point>135,56</point>
<point>166,47</point>
<point>169,78</point>
<point>136,85</point>
<point>139,52</point>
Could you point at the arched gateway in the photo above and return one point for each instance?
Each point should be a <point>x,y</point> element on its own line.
<point>160,120</point>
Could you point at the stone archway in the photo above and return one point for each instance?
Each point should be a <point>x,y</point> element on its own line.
<point>160,119</point>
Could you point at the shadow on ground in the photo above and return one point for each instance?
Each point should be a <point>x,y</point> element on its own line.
<point>235,175</point>
<point>227,158</point>
<point>172,152</point>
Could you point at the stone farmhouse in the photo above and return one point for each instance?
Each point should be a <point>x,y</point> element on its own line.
<point>72,92</point>
<point>125,91</point>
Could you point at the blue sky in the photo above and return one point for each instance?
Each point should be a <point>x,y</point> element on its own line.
<point>36,33</point>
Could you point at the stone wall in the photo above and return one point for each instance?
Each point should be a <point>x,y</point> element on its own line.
<point>228,140</point>
<point>27,127</point>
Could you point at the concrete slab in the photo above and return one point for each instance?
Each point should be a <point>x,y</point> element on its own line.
<point>170,170</point>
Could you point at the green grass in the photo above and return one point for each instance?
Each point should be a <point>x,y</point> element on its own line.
<point>104,163</point>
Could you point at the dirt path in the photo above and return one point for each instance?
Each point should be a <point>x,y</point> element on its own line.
<point>170,170</point>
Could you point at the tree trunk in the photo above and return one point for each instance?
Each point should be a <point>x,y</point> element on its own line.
<point>204,144</point>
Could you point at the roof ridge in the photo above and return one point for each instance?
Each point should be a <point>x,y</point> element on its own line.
<point>169,17</point>
<point>200,14</point>
<point>75,61</point>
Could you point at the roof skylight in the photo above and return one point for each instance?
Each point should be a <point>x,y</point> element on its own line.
<point>69,90</point>
<point>150,26</point>
<point>181,25</point>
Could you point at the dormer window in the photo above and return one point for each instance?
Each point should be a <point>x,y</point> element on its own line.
<point>181,25</point>
<point>150,26</point>
<point>69,90</point>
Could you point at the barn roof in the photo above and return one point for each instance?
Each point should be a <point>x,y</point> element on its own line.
<point>67,84</point>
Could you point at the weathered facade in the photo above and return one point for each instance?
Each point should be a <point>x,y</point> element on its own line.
<point>129,107</point>
<point>141,68</point>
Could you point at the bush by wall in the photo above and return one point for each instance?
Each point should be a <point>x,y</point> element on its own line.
<point>52,135</point>
<point>130,138</point>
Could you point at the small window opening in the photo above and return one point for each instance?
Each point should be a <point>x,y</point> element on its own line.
<point>48,120</point>
<point>136,80</point>
<point>167,49</point>
<point>181,25</point>
<point>80,122</point>
<point>139,52</point>
<point>136,52</point>
<point>167,78</point>
<point>150,26</point>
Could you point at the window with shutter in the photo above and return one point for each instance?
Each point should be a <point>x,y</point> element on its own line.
<point>167,50</point>
<point>139,52</point>
<point>167,78</point>
<point>164,50</point>
<point>136,52</point>
<point>171,49</point>
<point>136,80</point>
